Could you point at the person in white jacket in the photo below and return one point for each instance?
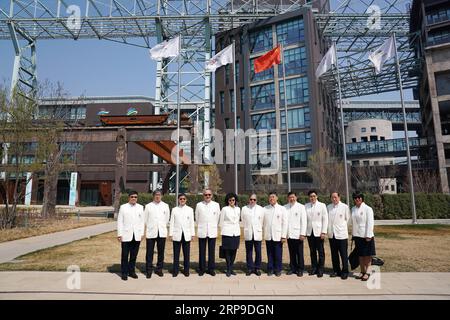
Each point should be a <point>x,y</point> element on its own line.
<point>296,234</point>
<point>252,219</point>
<point>338,218</point>
<point>230,230</point>
<point>362,231</point>
<point>157,216</point>
<point>207,214</point>
<point>130,232</point>
<point>317,219</point>
<point>181,231</point>
<point>275,231</point>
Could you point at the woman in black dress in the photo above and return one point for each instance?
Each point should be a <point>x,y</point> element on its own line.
<point>230,230</point>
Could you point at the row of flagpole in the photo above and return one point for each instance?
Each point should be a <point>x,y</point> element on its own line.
<point>172,48</point>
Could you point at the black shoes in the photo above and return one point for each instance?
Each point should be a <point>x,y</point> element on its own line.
<point>133,275</point>
<point>290,272</point>
<point>124,277</point>
<point>300,274</point>
<point>258,272</point>
<point>278,274</point>
<point>186,273</point>
<point>148,275</point>
<point>248,273</point>
<point>233,273</point>
<point>344,276</point>
<point>201,273</point>
<point>269,273</point>
<point>333,275</point>
<point>320,274</point>
<point>212,273</point>
<point>228,274</point>
<point>174,274</point>
<point>312,272</point>
<point>159,273</point>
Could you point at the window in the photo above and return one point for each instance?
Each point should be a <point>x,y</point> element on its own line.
<point>363,130</point>
<point>438,36</point>
<point>382,138</point>
<point>232,100</point>
<point>298,177</point>
<point>392,187</point>
<point>237,71</point>
<point>298,118</point>
<point>238,122</point>
<point>355,163</point>
<point>261,76</point>
<point>263,96</point>
<point>296,139</point>
<point>265,121</point>
<point>291,32</point>
<point>439,15</point>
<point>297,159</point>
<point>227,73</point>
<point>373,138</point>
<point>261,40</point>
<point>363,139</point>
<point>386,188</point>
<point>373,129</point>
<point>295,62</point>
<point>227,123</point>
<point>353,139</point>
<point>375,163</point>
<point>366,162</point>
<point>242,93</point>
<point>297,91</point>
<point>222,102</point>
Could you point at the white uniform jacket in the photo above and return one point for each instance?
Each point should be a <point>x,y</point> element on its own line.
<point>229,221</point>
<point>317,218</point>
<point>275,222</point>
<point>296,220</point>
<point>157,216</point>
<point>207,217</point>
<point>182,221</point>
<point>252,219</point>
<point>362,221</point>
<point>130,221</point>
<point>338,219</point>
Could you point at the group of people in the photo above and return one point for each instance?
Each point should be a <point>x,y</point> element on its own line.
<point>275,223</point>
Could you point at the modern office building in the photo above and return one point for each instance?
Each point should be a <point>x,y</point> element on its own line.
<point>430,21</point>
<point>312,115</point>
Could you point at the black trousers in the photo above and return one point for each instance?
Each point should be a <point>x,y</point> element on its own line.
<point>130,250</point>
<point>230,256</point>
<point>249,245</point>
<point>160,245</point>
<point>274,255</point>
<point>297,261</point>
<point>211,254</point>
<point>177,245</point>
<point>316,249</point>
<point>339,248</point>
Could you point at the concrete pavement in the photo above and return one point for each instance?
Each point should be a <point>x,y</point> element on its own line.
<point>53,285</point>
<point>409,221</point>
<point>13,249</point>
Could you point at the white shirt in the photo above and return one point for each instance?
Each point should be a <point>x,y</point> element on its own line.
<point>317,218</point>
<point>296,220</point>
<point>207,217</point>
<point>275,222</point>
<point>229,221</point>
<point>157,217</point>
<point>362,221</point>
<point>252,219</point>
<point>182,222</point>
<point>338,218</point>
<point>130,221</point>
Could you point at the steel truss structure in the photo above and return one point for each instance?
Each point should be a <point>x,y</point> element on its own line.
<point>141,22</point>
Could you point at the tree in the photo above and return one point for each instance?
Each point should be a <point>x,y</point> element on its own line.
<point>266,183</point>
<point>208,175</point>
<point>327,172</point>
<point>424,181</point>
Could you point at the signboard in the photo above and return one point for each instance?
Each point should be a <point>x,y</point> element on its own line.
<point>73,188</point>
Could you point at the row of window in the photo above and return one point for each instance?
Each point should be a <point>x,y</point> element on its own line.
<point>297,119</point>
<point>439,15</point>
<point>63,112</point>
<point>439,36</point>
<point>297,159</point>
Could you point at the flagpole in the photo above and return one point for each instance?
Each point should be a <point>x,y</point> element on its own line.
<point>235,119</point>
<point>347,192</point>
<point>408,153</point>
<point>287,122</point>
<point>177,181</point>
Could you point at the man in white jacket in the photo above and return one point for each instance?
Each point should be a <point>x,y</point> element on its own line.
<point>296,234</point>
<point>252,219</point>
<point>317,219</point>
<point>157,216</point>
<point>275,230</point>
<point>130,232</point>
<point>207,214</point>
<point>338,219</point>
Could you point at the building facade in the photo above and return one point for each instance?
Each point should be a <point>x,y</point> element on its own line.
<point>430,21</point>
<point>312,116</point>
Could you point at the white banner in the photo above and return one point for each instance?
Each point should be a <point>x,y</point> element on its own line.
<point>73,188</point>
<point>28,189</point>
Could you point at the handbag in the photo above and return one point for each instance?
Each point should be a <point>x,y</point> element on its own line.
<point>353,258</point>
<point>221,252</point>
<point>377,261</point>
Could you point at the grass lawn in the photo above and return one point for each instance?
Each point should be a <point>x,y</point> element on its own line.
<point>404,248</point>
<point>40,226</point>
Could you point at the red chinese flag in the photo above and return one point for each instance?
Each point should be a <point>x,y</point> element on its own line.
<point>268,60</point>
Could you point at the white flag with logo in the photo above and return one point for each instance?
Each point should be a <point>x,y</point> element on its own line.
<point>327,61</point>
<point>166,49</point>
<point>382,54</point>
<point>222,58</point>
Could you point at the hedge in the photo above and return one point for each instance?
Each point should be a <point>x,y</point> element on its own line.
<point>387,206</point>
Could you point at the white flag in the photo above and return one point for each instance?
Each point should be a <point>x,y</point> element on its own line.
<point>382,54</point>
<point>166,49</point>
<point>222,58</point>
<point>327,61</point>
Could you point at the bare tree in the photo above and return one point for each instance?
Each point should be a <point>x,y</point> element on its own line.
<point>373,178</point>
<point>327,172</point>
<point>266,183</point>
<point>424,181</point>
